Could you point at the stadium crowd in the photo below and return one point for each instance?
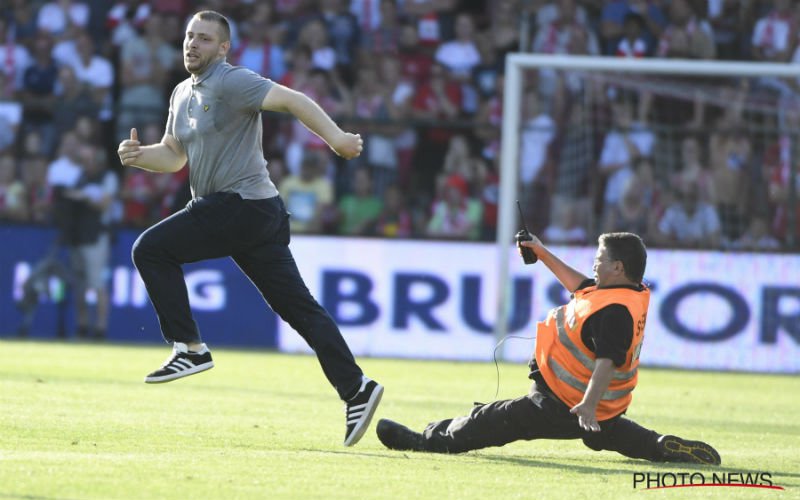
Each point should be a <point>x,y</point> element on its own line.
<point>422,81</point>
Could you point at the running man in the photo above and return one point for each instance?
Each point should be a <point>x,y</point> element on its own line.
<point>214,123</point>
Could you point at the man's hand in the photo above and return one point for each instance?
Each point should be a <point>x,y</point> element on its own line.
<point>129,150</point>
<point>587,416</point>
<point>532,244</point>
<point>348,145</point>
<point>586,410</point>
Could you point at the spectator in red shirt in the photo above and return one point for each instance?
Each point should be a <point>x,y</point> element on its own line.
<point>415,61</point>
<point>437,99</point>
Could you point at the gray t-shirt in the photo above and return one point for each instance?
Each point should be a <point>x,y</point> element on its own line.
<point>217,120</point>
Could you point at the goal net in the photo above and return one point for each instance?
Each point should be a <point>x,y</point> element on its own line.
<point>597,144</point>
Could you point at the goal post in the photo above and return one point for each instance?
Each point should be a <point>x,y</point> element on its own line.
<point>515,66</point>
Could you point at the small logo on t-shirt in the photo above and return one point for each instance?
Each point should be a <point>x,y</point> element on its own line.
<point>205,107</point>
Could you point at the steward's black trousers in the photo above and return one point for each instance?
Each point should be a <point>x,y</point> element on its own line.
<point>538,415</point>
<point>255,233</point>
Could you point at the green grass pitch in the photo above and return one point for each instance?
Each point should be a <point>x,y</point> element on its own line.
<point>77,422</point>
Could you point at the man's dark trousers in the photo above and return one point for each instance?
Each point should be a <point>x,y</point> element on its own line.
<point>537,415</point>
<point>255,233</point>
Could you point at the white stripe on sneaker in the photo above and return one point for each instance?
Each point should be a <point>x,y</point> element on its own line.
<point>354,418</point>
<point>183,364</point>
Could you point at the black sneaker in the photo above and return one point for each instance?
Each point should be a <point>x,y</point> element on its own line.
<point>360,409</point>
<point>675,449</point>
<point>181,363</point>
<point>399,437</point>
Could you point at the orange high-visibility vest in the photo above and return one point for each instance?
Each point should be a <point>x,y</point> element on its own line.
<point>565,362</point>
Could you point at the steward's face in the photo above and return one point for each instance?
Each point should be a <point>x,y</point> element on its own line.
<point>606,271</point>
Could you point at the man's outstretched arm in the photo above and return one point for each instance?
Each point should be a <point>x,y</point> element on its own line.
<point>285,100</point>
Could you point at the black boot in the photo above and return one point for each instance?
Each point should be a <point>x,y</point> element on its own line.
<point>399,437</point>
<point>675,449</point>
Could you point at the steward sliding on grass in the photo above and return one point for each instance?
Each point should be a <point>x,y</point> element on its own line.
<point>584,370</point>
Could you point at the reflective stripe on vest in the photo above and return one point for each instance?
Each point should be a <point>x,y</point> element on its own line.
<point>569,379</point>
<point>585,360</point>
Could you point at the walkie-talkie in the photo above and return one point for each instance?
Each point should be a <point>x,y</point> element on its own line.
<point>528,255</point>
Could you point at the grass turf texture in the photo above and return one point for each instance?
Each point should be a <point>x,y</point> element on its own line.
<point>77,422</point>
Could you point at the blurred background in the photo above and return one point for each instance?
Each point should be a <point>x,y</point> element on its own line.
<point>704,169</point>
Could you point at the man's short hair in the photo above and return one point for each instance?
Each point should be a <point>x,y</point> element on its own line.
<point>629,249</point>
<point>222,21</point>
